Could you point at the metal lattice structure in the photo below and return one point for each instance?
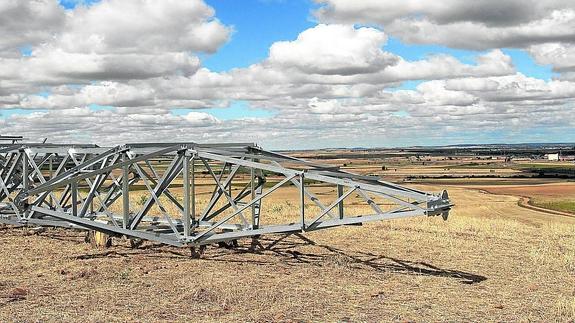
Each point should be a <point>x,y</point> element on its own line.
<point>152,191</point>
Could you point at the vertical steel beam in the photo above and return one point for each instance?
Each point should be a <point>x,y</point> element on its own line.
<point>193,191</point>
<point>302,200</point>
<point>74,186</point>
<point>255,217</point>
<point>50,166</point>
<point>186,218</point>
<point>125,193</point>
<point>340,204</point>
<point>25,180</point>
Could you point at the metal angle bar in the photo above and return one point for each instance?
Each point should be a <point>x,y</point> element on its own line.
<point>331,206</point>
<point>240,196</point>
<point>296,227</point>
<point>343,174</point>
<point>265,155</point>
<point>249,204</point>
<point>102,227</point>
<point>49,186</point>
<point>44,160</point>
<point>75,169</point>
<point>6,161</point>
<point>224,191</point>
<point>311,196</point>
<point>114,191</point>
<point>166,191</point>
<point>367,218</point>
<point>370,201</point>
<point>220,175</point>
<point>64,150</point>
<point>226,236</point>
<point>40,199</point>
<point>10,173</point>
<point>125,193</point>
<point>50,223</point>
<point>217,194</point>
<point>294,159</point>
<point>157,200</point>
<point>10,200</point>
<point>14,164</point>
<point>302,199</point>
<point>246,163</point>
<point>42,181</point>
<point>10,149</point>
<point>100,179</point>
<point>340,208</point>
<point>193,190</point>
<point>168,176</point>
<point>400,201</point>
<point>107,211</point>
<point>186,186</point>
<point>368,187</point>
<point>25,180</point>
<point>256,190</point>
<point>93,186</point>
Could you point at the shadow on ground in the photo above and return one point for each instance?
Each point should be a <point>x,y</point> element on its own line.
<point>288,249</point>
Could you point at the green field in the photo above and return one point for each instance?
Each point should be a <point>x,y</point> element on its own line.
<point>557,205</point>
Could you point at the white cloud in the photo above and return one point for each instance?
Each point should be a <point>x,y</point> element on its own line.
<point>117,40</point>
<point>28,23</point>
<point>133,26</point>
<point>479,24</point>
<point>560,56</point>
<point>334,85</point>
<point>334,50</point>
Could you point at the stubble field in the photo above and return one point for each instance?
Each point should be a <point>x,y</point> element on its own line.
<point>491,261</point>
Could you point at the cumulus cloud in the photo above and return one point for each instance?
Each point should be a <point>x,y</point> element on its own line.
<point>137,61</point>
<point>28,23</point>
<point>356,65</point>
<point>334,49</point>
<point>546,29</point>
<point>109,40</point>
<point>481,24</point>
<point>560,56</point>
<point>133,26</point>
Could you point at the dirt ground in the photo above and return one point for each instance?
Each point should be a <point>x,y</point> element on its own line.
<point>491,261</point>
<point>548,190</point>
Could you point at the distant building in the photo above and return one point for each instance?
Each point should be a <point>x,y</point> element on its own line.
<point>553,157</point>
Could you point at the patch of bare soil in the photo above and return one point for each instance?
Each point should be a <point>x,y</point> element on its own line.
<point>547,190</point>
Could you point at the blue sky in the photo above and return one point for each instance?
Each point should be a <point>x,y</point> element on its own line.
<point>260,23</point>
<point>257,24</point>
<point>285,72</point>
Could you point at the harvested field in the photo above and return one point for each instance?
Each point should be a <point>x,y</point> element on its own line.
<point>556,196</point>
<point>491,261</point>
<point>549,190</point>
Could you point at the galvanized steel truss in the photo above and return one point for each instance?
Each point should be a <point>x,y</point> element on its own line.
<point>90,187</point>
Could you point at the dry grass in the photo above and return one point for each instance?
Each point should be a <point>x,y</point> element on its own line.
<point>491,261</point>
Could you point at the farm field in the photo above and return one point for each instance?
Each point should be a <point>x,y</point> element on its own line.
<point>493,260</point>
<point>506,253</point>
<point>555,196</point>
